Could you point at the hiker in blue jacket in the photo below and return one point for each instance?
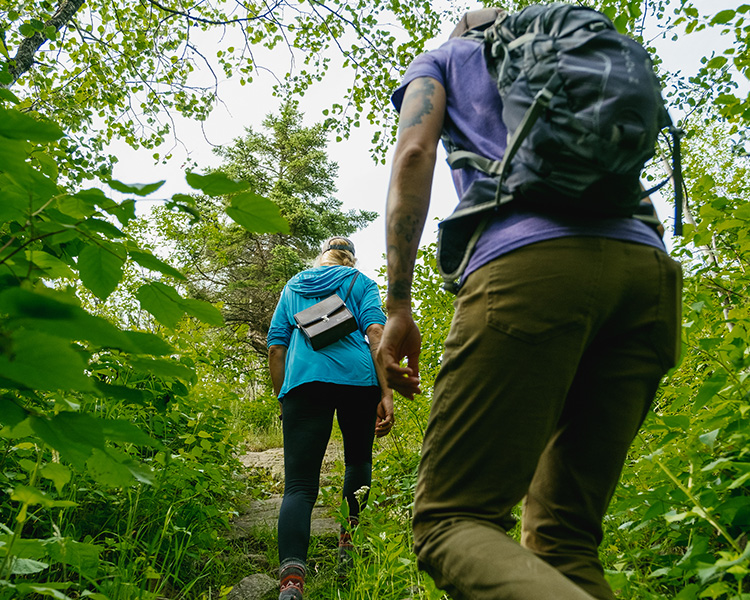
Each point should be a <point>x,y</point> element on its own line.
<point>564,326</point>
<point>313,384</point>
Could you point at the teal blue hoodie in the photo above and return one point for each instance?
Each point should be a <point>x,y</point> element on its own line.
<point>347,361</point>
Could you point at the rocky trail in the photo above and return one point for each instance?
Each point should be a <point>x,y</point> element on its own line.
<point>260,517</point>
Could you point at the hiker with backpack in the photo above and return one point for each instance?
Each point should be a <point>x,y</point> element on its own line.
<point>313,380</point>
<point>567,312</point>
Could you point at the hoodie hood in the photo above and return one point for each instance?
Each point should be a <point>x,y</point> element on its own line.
<point>320,281</point>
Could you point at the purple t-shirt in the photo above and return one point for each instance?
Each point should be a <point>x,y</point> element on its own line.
<point>473,106</point>
<point>473,122</point>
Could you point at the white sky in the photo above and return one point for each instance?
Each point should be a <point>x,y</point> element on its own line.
<point>361,183</point>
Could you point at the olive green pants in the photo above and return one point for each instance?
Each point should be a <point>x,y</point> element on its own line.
<point>552,361</point>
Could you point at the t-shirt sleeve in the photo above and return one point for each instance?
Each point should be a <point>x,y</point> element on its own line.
<point>425,65</point>
<point>371,307</point>
<point>280,331</point>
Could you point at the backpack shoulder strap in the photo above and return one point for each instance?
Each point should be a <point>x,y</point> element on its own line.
<point>351,285</point>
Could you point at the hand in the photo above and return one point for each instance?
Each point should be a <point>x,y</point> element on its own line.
<point>384,420</point>
<point>401,338</point>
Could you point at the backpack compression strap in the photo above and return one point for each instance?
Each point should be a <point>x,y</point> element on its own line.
<point>459,159</point>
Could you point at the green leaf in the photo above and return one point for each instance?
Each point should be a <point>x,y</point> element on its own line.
<point>84,558</point>
<point>30,189</point>
<point>162,301</point>
<point>76,207</point>
<point>203,311</point>
<point>716,62</point>
<point>257,214</point>
<point>723,17</point>
<point>120,430</point>
<point>149,261</point>
<point>6,94</point>
<point>121,393</point>
<point>26,30</point>
<point>139,189</point>
<point>19,126</point>
<point>10,413</point>
<point>101,226</point>
<point>707,391</point>
<point>26,547</point>
<point>186,204</point>
<point>43,313</point>
<point>148,343</point>
<point>94,196</point>
<point>26,566</point>
<point>100,269</point>
<point>184,199</point>
<point>163,368</point>
<point>12,157</point>
<point>58,474</point>
<point>124,212</point>
<point>74,445</point>
<point>109,471</point>
<point>43,362</point>
<point>680,421</point>
<point>52,266</point>
<point>34,497</point>
<point>44,589</point>
<point>689,592</point>
<point>215,184</point>
<point>709,439</point>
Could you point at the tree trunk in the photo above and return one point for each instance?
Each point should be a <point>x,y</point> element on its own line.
<point>24,57</point>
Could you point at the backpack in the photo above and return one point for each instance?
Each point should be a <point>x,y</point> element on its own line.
<point>583,109</point>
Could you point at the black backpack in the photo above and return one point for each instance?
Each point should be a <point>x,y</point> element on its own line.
<point>583,109</point>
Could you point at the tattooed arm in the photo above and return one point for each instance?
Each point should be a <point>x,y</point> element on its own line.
<point>421,122</point>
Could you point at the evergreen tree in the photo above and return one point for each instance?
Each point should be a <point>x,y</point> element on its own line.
<point>244,271</point>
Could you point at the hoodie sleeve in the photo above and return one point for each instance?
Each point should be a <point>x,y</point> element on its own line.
<point>370,306</point>
<point>280,331</point>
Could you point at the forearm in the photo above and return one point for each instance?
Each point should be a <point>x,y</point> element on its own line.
<point>406,211</point>
<point>374,336</point>
<point>409,190</point>
<point>277,366</point>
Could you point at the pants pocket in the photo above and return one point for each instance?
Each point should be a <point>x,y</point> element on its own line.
<point>534,300</point>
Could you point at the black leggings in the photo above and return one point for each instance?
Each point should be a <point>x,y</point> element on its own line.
<point>308,419</point>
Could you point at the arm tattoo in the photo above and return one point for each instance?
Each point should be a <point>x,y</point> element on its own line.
<point>399,289</point>
<point>407,228</point>
<point>420,98</point>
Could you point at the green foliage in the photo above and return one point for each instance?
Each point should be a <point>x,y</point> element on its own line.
<point>111,453</point>
<point>116,70</point>
<point>680,518</point>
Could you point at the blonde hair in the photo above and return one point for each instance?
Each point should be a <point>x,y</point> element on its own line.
<point>335,256</point>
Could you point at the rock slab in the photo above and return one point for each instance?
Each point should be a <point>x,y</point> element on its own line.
<point>255,587</point>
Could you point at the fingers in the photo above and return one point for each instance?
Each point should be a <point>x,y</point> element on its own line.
<point>383,426</point>
<point>401,339</point>
<point>407,387</point>
<point>405,380</point>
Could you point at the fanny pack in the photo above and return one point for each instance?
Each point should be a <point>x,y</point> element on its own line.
<point>327,321</point>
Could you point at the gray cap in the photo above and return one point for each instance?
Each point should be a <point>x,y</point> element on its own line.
<point>475,19</point>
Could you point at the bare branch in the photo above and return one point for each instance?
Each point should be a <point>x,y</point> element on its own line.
<point>191,17</point>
